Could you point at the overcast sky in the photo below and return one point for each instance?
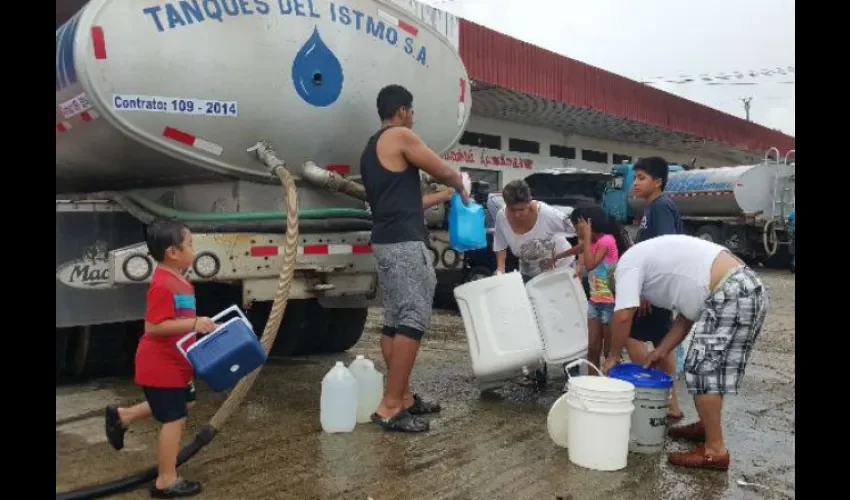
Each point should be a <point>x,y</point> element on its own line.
<point>641,39</point>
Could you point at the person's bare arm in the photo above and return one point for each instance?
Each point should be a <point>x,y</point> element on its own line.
<point>418,153</point>
<point>576,250</point>
<point>621,327</point>
<point>178,326</point>
<point>591,259</point>
<point>501,257</point>
<point>433,199</point>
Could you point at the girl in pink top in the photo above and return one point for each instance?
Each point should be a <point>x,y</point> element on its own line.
<point>604,241</point>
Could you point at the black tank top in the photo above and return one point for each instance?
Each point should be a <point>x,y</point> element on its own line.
<point>394,197</point>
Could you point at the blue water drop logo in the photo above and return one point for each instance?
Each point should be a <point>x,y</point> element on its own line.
<point>317,73</point>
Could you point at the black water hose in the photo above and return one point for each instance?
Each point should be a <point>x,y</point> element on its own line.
<point>202,438</point>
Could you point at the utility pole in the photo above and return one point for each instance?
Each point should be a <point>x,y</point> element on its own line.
<point>747,101</point>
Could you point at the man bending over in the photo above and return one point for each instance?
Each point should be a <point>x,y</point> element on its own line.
<point>725,302</point>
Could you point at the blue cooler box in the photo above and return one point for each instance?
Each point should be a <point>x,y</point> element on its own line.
<point>226,355</point>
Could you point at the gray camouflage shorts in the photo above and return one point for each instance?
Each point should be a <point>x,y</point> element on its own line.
<point>407,280</point>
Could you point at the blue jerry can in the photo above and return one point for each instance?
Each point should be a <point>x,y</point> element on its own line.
<point>467,229</point>
<point>226,355</point>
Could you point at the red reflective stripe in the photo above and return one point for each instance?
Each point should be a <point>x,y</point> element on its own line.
<point>340,169</point>
<point>179,136</point>
<point>361,248</point>
<point>265,251</point>
<point>98,42</point>
<point>408,27</point>
<point>315,250</point>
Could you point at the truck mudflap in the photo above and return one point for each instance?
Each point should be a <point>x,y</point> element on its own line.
<point>328,265</point>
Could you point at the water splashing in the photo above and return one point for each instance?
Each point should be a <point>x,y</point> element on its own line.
<point>317,73</point>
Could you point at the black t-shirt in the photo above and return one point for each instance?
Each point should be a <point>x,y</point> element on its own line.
<point>659,217</point>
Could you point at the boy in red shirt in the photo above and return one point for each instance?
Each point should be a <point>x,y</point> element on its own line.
<point>164,374</point>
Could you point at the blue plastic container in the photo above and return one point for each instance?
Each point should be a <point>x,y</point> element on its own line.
<point>640,377</point>
<point>467,231</point>
<point>226,355</point>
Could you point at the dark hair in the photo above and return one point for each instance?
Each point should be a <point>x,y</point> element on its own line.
<point>603,223</point>
<point>161,234</point>
<point>516,192</point>
<point>656,167</point>
<point>392,98</point>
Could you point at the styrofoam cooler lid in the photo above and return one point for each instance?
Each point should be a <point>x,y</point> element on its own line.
<point>645,378</point>
<point>558,301</point>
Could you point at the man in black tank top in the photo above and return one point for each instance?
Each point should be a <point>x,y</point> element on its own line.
<point>389,167</point>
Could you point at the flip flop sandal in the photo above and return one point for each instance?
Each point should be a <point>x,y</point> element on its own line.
<point>402,421</point>
<point>180,489</point>
<point>114,428</point>
<point>422,407</point>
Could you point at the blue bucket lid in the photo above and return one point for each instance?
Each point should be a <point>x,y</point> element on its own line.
<point>648,378</point>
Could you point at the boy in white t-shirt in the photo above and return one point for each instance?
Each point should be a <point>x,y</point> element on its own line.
<point>725,302</point>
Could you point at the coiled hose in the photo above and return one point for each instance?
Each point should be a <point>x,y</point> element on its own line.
<point>209,431</point>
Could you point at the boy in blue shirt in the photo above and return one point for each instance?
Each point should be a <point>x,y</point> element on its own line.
<point>660,216</point>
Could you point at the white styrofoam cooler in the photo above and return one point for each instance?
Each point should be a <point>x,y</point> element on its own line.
<point>510,326</point>
<point>500,327</point>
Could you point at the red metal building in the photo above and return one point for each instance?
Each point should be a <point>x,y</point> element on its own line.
<point>520,82</point>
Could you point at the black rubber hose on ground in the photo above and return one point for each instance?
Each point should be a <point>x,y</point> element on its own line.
<point>204,436</point>
<point>237,395</point>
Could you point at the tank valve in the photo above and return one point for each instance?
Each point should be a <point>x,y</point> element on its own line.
<point>268,156</point>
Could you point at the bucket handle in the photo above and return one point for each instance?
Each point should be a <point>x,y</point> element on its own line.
<point>581,362</point>
<point>230,310</point>
<point>578,362</point>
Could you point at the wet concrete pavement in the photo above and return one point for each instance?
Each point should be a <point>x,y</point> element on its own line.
<point>480,447</point>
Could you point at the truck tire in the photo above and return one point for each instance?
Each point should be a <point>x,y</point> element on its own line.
<point>61,352</point>
<point>98,351</point>
<point>302,322</point>
<point>346,328</point>
<point>708,232</point>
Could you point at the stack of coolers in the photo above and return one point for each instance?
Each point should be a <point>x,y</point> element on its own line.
<point>514,328</point>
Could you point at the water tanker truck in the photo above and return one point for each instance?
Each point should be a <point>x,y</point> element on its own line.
<point>744,208</point>
<point>157,106</point>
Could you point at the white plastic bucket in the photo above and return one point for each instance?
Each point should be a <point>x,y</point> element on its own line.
<point>649,422</point>
<point>598,420</point>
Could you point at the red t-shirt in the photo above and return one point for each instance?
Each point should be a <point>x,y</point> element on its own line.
<point>158,361</point>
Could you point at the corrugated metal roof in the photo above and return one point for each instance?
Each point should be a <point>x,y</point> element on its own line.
<point>497,59</point>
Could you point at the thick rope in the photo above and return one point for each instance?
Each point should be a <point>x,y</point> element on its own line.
<point>284,283</point>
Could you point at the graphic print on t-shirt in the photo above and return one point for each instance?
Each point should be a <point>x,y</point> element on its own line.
<point>184,306</point>
<point>532,253</point>
<point>600,277</point>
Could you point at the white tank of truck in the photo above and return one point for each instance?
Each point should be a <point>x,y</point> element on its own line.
<point>723,191</point>
<point>173,92</point>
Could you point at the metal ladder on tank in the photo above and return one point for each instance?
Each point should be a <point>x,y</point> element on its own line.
<point>783,196</point>
<point>781,185</point>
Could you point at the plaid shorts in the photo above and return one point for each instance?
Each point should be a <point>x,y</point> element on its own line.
<point>724,335</point>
